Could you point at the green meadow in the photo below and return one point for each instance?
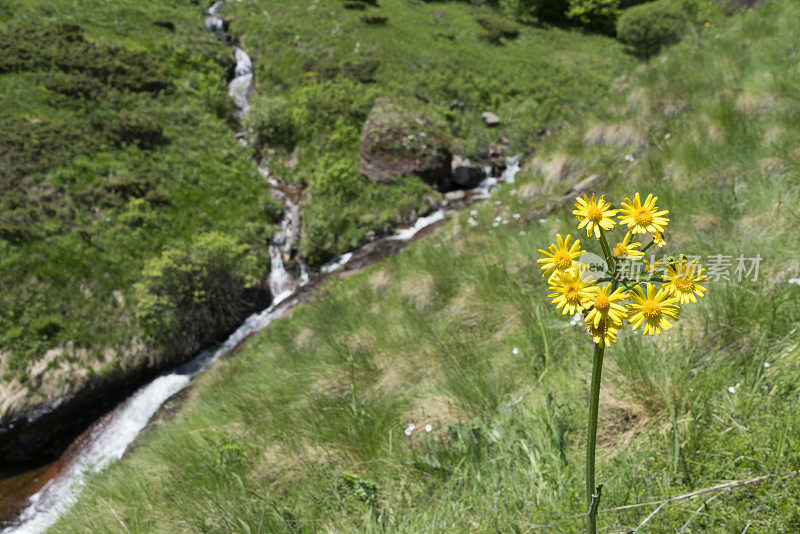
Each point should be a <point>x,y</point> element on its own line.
<point>308,427</point>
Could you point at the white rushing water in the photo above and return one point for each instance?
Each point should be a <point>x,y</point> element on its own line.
<point>241,85</point>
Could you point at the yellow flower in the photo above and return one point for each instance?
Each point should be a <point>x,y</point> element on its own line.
<point>594,214</point>
<point>682,281</point>
<point>643,218</point>
<point>560,256</point>
<point>650,268</point>
<point>658,239</point>
<point>604,332</point>
<point>628,250</point>
<point>570,291</point>
<point>605,306</point>
<point>652,307</point>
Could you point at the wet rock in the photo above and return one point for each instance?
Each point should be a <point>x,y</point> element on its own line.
<point>455,196</point>
<point>465,173</point>
<point>490,119</point>
<point>399,140</point>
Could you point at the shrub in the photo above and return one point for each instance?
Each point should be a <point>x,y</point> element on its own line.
<point>648,27</point>
<point>190,291</point>
<point>329,68</point>
<point>133,129</point>
<point>530,11</point>
<point>598,15</point>
<point>46,46</point>
<point>271,124</point>
<point>74,85</point>
<point>374,19</point>
<point>497,27</point>
<point>360,4</point>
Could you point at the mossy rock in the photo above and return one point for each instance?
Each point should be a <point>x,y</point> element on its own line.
<point>400,139</point>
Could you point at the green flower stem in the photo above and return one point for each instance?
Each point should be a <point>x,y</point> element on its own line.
<point>592,502</point>
<point>650,244</point>
<point>612,265</point>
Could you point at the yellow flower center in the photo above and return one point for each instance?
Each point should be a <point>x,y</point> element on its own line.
<point>651,309</point>
<point>601,303</point>
<point>643,217</point>
<point>620,250</point>
<point>571,291</point>
<point>562,260</point>
<point>683,283</point>
<point>594,214</point>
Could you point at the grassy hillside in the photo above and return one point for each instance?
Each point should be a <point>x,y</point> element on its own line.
<point>118,143</point>
<point>320,66</point>
<point>307,428</point>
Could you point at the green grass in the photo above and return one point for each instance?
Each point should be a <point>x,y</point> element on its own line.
<point>101,170</point>
<point>324,67</point>
<point>103,174</point>
<point>303,429</point>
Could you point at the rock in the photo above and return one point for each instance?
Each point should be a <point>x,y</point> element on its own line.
<point>464,173</point>
<point>455,196</point>
<point>398,140</point>
<point>490,119</point>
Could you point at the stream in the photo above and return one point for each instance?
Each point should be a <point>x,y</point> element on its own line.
<point>111,435</point>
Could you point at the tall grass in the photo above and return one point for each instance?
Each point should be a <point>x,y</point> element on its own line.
<point>303,430</point>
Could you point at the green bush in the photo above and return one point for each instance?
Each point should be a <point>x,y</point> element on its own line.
<point>329,68</point>
<point>648,27</point>
<point>530,11</point>
<point>374,19</point>
<point>190,291</point>
<point>270,121</point>
<point>497,27</point>
<point>598,15</point>
<point>46,46</point>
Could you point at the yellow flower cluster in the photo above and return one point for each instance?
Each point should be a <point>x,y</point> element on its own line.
<point>607,303</point>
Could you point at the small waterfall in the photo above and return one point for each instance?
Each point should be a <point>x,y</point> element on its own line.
<point>241,85</point>
<point>281,282</point>
<point>213,21</point>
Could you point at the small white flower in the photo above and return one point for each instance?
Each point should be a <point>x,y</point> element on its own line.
<point>473,212</point>
<point>766,364</point>
<point>472,222</point>
<point>498,219</point>
<point>542,221</point>
<point>515,351</point>
<point>505,221</point>
<point>409,429</point>
<point>731,389</point>
<point>577,318</point>
<point>516,215</point>
<point>495,224</point>
<point>667,136</point>
<point>795,281</point>
<point>522,232</point>
<point>428,428</point>
<point>497,202</point>
<point>629,157</point>
<point>512,192</point>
